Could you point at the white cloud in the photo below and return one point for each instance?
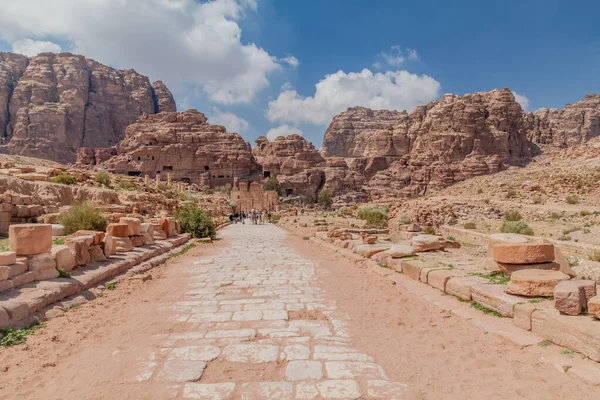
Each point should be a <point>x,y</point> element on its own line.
<point>232,122</point>
<point>282,130</point>
<point>522,100</point>
<point>32,48</point>
<point>291,61</point>
<point>395,57</point>
<point>178,41</point>
<point>392,90</point>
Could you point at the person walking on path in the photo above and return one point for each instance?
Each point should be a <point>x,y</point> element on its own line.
<point>243,217</point>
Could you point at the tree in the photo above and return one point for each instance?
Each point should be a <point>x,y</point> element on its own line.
<point>325,199</point>
<point>273,184</point>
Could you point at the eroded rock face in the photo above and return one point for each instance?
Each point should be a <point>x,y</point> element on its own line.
<point>286,155</point>
<point>574,125</point>
<point>183,145</point>
<point>53,104</point>
<point>443,142</point>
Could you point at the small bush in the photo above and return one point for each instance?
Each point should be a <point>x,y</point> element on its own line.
<point>404,219</point>
<point>126,184</point>
<point>273,184</point>
<point>595,256</point>
<point>571,230</point>
<point>82,216</point>
<point>479,191</point>
<point>429,230</point>
<point>511,193</point>
<point>554,216</point>
<point>572,199</point>
<point>564,238</point>
<point>59,241</point>
<point>512,215</point>
<point>196,221</point>
<point>63,274</point>
<point>110,286</point>
<point>519,227</point>
<point>103,178</point>
<point>584,213</point>
<point>12,337</point>
<point>375,216</point>
<point>537,199</point>
<point>65,179</point>
<point>470,225</point>
<point>325,198</point>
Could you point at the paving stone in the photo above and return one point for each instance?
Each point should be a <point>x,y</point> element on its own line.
<point>209,391</point>
<point>352,370</point>
<point>339,389</point>
<point>302,370</point>
<point>195,353</point>
<point>251,353</point>
<point>295,352</point>
<point>181,371</point>
<point>210,317</point>
<point>267,391</point>
<point>386,389</point>
<point>247,315</point>
<point>306,391</point>
<point>461,286</point>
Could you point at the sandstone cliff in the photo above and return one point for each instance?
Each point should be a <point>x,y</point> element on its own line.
<point>183,145</point>
<point>53,104</point>
<point>572,126</point>
<point>443,142</point>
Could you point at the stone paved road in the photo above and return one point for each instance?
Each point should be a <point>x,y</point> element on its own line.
<point>258,326</point>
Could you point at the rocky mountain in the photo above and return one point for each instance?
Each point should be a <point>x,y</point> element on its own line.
<point>182,145</point>
<point>574,125</point>
<point>53,104</point>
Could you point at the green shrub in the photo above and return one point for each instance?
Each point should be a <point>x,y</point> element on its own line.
<point>375,216</point>
<point>126,184</point>
<point>512,215</point>
<point>63,274</point>
<point>429,230</point>
<point>404,219</point>
<point>584,213</point>
<point>519,227</point>
<point>12,337</point>
<point>325,199</point>
<point>273,184</point>
<point>103,178</point>
<point>511,193</point>
<point>572,199</point>
<point>196,221</point>
<point>470,225</point>
<point>82,216</point>
<point>595,256</point>
<point>65,179</point>
<point>58,241</point>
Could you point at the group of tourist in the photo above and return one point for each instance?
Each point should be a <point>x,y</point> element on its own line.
<point>256,217</point>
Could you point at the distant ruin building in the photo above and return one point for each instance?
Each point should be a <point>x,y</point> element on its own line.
<point>250,196</point>
<point>183,144</point>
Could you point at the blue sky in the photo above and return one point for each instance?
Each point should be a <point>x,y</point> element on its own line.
<point>252,65</point>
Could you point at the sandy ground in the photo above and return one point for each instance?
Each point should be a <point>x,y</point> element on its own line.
<point>99,349</point>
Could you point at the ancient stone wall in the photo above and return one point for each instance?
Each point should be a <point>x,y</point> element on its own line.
<point>250,196</point>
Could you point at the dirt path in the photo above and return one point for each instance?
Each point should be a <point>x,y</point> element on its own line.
<point>263,314</point>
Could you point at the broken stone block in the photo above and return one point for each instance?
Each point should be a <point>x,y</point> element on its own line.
<point>525,253</point>
<point>8,257</point>
<point>23,278</point>
<point>97,236</point>
<point>367,250</point>
<point>370,239</point>
<point>508,269</point>
<point>30,239</point>
<point>461,286</point>
<point>63,257</point>
<point>504,238</point>
<point>148,239</point>
<point>424,242</point>
<point>493,297</point>
<point>96,253</point>
<point>534,282</point>
<point>565,267</point>
<point>108,246</point>
<point>137,240</point>
<point>118,230</point>
<point>412,268</point>
<point>569,297</point>
<point>58,230</point>
<point>6,285</point>
<point>46,274</point>
<point>41,262</point>
<point>17,268</point>
<point>593,305</point>
<point>146,227</point>
<point>439,278</point>
<point>4,272</point>
<point>80,250</point>
<point>134,225</point>
<point>400,250</point>
<point>123,244</point>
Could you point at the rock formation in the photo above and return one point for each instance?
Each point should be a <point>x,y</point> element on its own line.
<point>53,104</point>
<point>572,126</point>
<point>182,145</point>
